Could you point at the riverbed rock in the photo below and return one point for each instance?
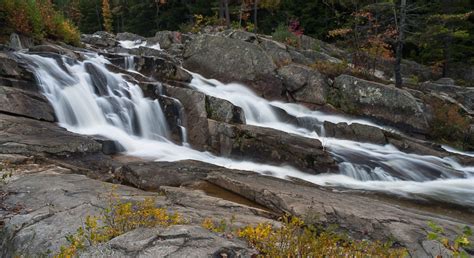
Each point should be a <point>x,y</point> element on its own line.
<point>231,60</point>
<point>25,103</point>
<point>15,74</point>
<point>100,39</point>
<point>195,114</point>
<point>269,145</point>
<point>380,102</point>
<point>50,48</point>
<point>362,216</point>
<point>304,84</point>
<point>41,207</point>
<point>166,39</point>
<point>31,137</point>
<point>355,132</point>
<point>127,36</point>
<point>150,176</point>
<point>224,111</point>
<point>161,69</point>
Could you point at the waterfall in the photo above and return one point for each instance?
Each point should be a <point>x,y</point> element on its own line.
<point>89,99</point>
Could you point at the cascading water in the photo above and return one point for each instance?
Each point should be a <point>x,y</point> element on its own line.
<point>89,99</point>
<point>362,165</point>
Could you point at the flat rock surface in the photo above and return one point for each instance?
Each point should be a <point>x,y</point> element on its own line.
<point>40,208</point>
<point>25,103</point>
<point>27,136</point>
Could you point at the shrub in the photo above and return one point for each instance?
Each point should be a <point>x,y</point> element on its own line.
<point>294,239</point>
<point>455,245</point>
<point>284,35</point>
<point>448,123</point>
<point>118,218</point>
<point>333,70</point>
<point>38,19</point>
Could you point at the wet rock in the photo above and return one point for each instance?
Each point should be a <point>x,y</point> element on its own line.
<point>25,136</point>
<point>355,132</point>
<point>25,103</point>
<point>231,60</point>
<point>127,36</point>
<point>174,114</point>
<point>15,74</point>
<point>304,84</point>
<point>150,176</point>
<point>224,111</point>
<point>52,49</point>
<point>378,101</point>
<point>269,145</point>
<point>195,115</point>
<point>100,39</point>
<point>161,69</point>
<point>98,79</point>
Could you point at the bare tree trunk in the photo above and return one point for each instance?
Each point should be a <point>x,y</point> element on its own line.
<point>227,14</point>
<point>255,13</point>
<point>447,55</point>
<point>221,10</point>
<point>399,51</point>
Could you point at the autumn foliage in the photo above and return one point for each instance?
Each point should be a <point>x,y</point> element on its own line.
<point>37,19</point>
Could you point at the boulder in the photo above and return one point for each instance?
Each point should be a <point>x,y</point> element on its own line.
<point>161,69</point>
<point>355,132</point>
<point>382,102</point>
<point>277,51</point>
<point>127,36</point>
<point>174,114</point>
<point>25,136</point>
<point>166,39</point>
<point>195,115</point>
<point>304,84</point>
<point>150,176</point>
<point>269,146</point>
<point>25,103</point>
<point>100,39</point>
<point>329,50</point>
<point>232,60</point>
<point>224,111</point>
<point>240,35</point>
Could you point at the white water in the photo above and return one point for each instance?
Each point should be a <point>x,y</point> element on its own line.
<point>122,113</point>
<point>130,44</point>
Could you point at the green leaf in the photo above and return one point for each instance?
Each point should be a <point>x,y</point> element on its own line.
<point>432,236</point>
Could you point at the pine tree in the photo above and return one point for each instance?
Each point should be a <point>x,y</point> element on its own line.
<point>107,15</point>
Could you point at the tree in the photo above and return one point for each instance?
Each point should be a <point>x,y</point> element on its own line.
<point>107,15</point>
<point>442,33</point>
<point>400,38</point>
